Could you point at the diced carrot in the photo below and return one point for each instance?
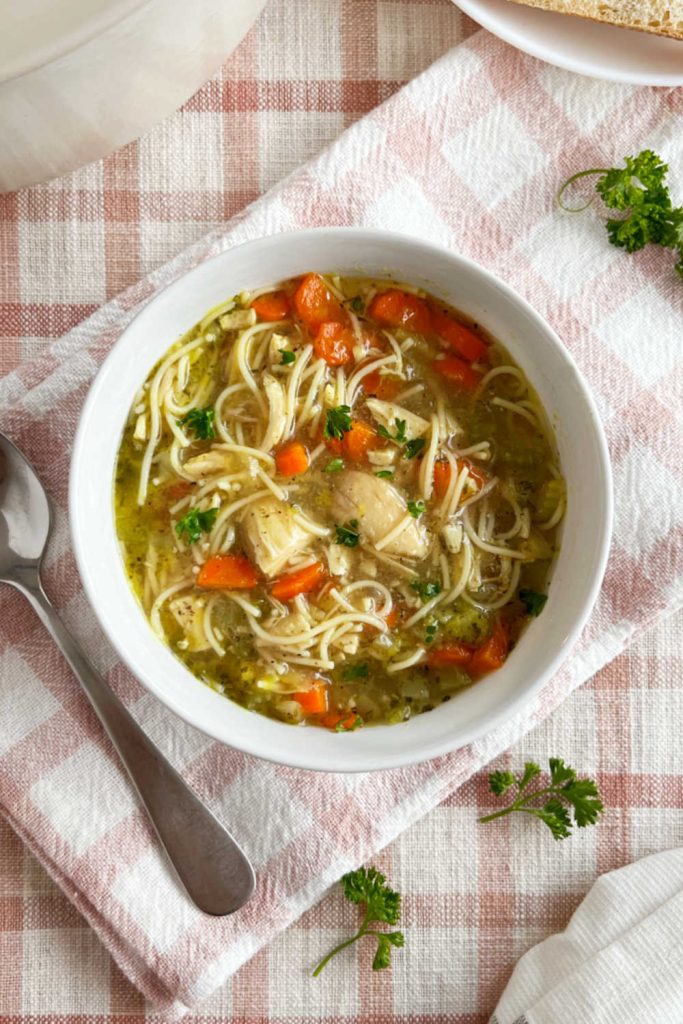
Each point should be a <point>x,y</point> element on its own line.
<point>315,304</point>
<point>391,618</point>
<point>401,309</point>
<point>272,306</point>
<point>381,386</point>
<point>442,479</point>
<point>359,440</point>
<point>334,343</point>
<point>179,489</point>
<point>450,654</point>
<point>476,472</point>
<point>458,371</point>
<point>461,339</point>
<point>313,702</point>
<point>292,459</point>
<point>300,581</point>
<point>227,572</point>
<point>492,653</point>
<point>339,720</point>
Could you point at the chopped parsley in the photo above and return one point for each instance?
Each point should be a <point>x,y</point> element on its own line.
<point>347,534</point>
<point>337,422</point>
<point>385,474</point>
<point>567,794</point>
<point>201,422</point>
<point>368,887</point>
<point>194,523</point>
<point>399,437</point>
<point>430,631</point>
<point>334,466</point>
<point>357,304</point>
<point>414,447</point>
<point>426,589</point>
<point>288,356</point>
<point>416,508</point>
<point>533,601</point>
<point>358,671</point>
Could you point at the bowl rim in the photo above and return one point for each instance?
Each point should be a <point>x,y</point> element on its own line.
<point>299,758</point>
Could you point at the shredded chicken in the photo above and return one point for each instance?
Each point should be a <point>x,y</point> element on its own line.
<point>379,508</point>
<point>272,535</point>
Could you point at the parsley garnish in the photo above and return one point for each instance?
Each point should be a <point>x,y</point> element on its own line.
<point>334,466</point>
<point>385,474</point>
<point>337,422</point>
<point>288,356</point>
<point>533,601</point>
<point>347,534</point>
<point>427,590</point>
<point>195,522</point>
<point>414,447</point>
<point>581,796</point>
<point>430,631</point>
<point>201,422</point>
<point>358,671</point>
<point>399,437</point>
<point>357,304</point>
<point>368,887</point>
<point>639,191</point>
<point>416,508</point>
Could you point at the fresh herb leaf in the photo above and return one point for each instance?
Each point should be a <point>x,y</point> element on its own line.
<point>334,466</point>
<point>426,589</point>
<point>358,671</point>
<point>533,601</point>
<point>416,508</point>
<point>196,522</point>
<point>414,447</point>
<point>288,356</point>
<point>430,631</point>
<point>201,422</point>
<point>399,437</point>
<point>347,534</point>
<point>367,887</point>
<point>385,474</point>
<point>337,422</point>
<point>357,304</point>
<point>639,191</point>
<point>553,804</point>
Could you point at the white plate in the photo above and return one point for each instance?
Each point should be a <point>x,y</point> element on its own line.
<point>581,45</point>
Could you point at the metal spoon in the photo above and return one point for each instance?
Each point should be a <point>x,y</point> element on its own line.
<point>214,870</point>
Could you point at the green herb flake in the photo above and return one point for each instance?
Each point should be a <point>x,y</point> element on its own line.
<point>194,523</point>
<point>347,534</point>
<point>201,423</point>
<point>367,887</point>
<point>430,632</point>
<point>552,804</point>
<point>426,589</point>
<point>414,447</point>
<point>399,437</point>
<point>416,508</point>
<point>358,671</point>
<point>357,305</point>
<point>334,466</point>
<point>337,422</point>
<point>533,601</point>
<point>385,474</point>
<point>287,355</point>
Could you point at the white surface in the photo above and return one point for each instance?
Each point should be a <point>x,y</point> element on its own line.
<point>581,45</point>
<point>577,575</point>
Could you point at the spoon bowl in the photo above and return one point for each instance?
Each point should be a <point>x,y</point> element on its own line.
<point>25,514</point>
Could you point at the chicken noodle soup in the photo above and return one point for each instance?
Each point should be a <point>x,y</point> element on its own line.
<point>338,502</point>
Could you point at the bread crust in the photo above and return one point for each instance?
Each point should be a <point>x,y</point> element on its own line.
<point>592,13</point>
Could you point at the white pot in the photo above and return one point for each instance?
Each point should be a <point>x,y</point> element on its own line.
<point>583,452</point>
<point>78,78</point>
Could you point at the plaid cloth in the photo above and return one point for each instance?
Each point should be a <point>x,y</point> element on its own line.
<point>483,88</point>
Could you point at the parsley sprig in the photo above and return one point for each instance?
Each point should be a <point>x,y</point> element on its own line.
<point>533,601</point>
<point>347,534</point>
<point>639,192</point>
<point>337,422</point>
<point>426,589</point>
<point>566,794</point>
<point>196,522</point>
<point>201,422</point>
<point>368,887</point>
<point>411,447</point>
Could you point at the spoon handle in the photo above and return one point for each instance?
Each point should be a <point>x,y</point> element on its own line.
<point>212,867</point>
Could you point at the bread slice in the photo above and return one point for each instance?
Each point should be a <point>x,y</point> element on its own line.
<point>663,17</point>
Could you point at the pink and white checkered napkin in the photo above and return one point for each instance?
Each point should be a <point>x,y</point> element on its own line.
<point>469,155</point>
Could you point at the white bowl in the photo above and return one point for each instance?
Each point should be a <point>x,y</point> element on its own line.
<point>577,575</point>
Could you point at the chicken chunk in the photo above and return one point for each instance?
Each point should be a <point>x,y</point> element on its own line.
<point>387,413</point>
<point>188,611</point>
<point>271,534</point>
<point>215,462</point>
<point>378,507</point>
